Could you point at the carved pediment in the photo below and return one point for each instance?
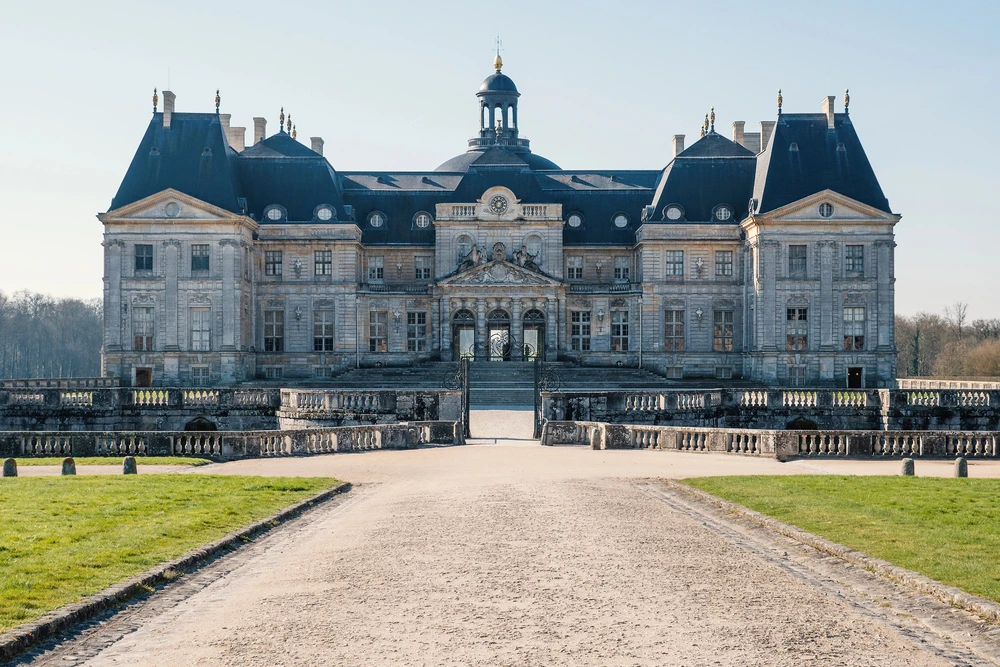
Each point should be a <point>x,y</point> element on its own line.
<point>498,272</point>
<point>168,205</point>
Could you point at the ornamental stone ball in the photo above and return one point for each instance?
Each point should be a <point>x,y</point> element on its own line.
<point>961,467</point>
<point>68,466</point>
<point>908,468</point>
<point>129,467</point>
<point>9,468</point>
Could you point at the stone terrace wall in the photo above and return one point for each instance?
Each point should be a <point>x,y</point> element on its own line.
<point>948,383</point>
<point>225,446</point>
<point>871,409</point>
<point>307,408</point>
<point>782,445</point>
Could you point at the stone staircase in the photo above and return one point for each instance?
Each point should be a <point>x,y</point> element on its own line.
<point>501,383</point>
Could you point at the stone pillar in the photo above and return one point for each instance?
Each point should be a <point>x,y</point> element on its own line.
<point>884,314</point>
<point>825,305</point>
<point>550,325</point>
<point>766,314</point>
<point>481,322</point>
<point>445,328</point>
<point>435,326</point>
<point>230,308</point>
<point>113,308</point>
<point>560,324</point>
<point>516,325</point>
<point>172,250</point>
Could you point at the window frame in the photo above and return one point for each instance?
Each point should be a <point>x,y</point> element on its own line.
<point>274,330</point>
<point>574,267</point>
<point>323,337</point>
<point>422,267</point>
<point>376,268</point>
<point>273,263</point>
<point>724,332</point>
<point>201,258</point>
<point>323,263</point>
<point>143,336</point>
<point>623,269</point>
<point>854,259</point>
<point>724,260</point>
<point>673,330</point>
<point>580,330</point>
<point>673,264</point>
<point>853,340</point>
<point>619,330</point>
<point>143,258</point>
<point>794,268</point>
<point>200,324</point>
<point>796,329</point>
<point>416,331</point>
<point>378,331</point>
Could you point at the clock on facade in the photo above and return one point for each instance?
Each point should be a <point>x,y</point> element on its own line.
<point>498,204</point>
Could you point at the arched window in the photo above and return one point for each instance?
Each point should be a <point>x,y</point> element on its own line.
<point>534,315</point>
<point>533,244</point>
<point>498,316</point>
<point>463,245</point>
<point>464,315</point>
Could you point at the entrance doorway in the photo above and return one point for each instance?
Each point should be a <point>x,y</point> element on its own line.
<point>463,335</point>
<point>855,377</point>
<point>498,326</point>
<point>144,377</point>
<point>534,335</point>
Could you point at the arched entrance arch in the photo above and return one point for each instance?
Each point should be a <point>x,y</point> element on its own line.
<point>498,325</point>
<point>463,334</point>
<point>534,334</point>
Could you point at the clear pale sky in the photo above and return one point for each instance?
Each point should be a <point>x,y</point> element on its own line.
<point>390,85</point>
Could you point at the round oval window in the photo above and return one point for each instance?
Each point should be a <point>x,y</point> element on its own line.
<point>173,208</point>
<point>575,220</point>
<point>621,220</point>
<point>324,213</point>
<point>274,214</point>
<point>826,210</point>
<point>376,220</point>
<point>423,220</point>
<point>673,213</point>
<point>723,213</point>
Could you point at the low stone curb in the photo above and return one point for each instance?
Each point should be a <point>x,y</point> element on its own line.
<point>24,637</point>
<point>986,609</point>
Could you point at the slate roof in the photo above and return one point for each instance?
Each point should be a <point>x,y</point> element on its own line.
<point>821,159</point>
<point>496,155</point>
<point>498,82</point>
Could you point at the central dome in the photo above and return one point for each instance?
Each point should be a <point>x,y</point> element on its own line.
<point>498,82</point>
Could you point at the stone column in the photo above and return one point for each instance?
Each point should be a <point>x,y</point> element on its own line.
<point>172,257</point>
<point>435,326</point>
<point>767,316</point>
<point>825,305</point>
<point>113,308</point>
<point>884,274</point>
<point>481,322</point>
<point>445,332</point>
<point>550,325</point>
<point>230,309</point>
<point>516,325</point>
<point>560,317</point>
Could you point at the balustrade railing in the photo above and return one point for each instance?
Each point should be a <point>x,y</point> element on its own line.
<point>200,397</point>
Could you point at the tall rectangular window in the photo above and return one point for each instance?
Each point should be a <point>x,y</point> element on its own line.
<point>378,331</point>
<point>724,263</point>
<point>201,329</point>
<point>619,331</point>
<point>274,330</point>
<point>422,268</point>
<point>323,263</point>
<point>574,268</point>
<point>797,260</point>
<point>376,269</point>
<point>143,257</point>
<point>854,259</point>
<point>416,332</point>
<point>622,269</point>
<point>674,266</point>
<point>722,331</point>
<point>199,257</point>
<point>142,329</point>
<point>322,331</point>
<point>854,328</point>
<point>199,376</point>
<point>580,330</point>
<point>796,329</point>
<point>673,330</point>
<point>272,262</point>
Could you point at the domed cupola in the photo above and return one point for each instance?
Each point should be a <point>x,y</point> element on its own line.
<point>498,107</point>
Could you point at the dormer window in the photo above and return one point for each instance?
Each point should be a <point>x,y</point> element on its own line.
<point>274,213</point>
<point>620,220</point>
<point>422,220</point>
<point>376,219</point>
<point>574,220</point>
<point>673,212</point>
<point>324,213</point>
<point>723,213</point>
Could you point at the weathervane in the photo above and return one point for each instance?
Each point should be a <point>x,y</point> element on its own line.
<point>498,61</point>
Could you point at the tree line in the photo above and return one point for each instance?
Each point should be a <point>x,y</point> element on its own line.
<point>44,337</point>
<point>948,344</point>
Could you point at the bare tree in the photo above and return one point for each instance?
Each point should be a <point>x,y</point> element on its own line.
<point>957,313</point>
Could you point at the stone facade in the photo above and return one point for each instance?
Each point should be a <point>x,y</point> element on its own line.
<point>226,263</point>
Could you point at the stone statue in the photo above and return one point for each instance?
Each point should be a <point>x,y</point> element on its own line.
<point>474,258</point>
<point>499,251</point>
<point>524,258</point>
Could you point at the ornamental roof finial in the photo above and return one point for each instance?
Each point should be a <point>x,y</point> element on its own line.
<point>218,100</point>
<point>288,124</point>
<point>498,61</point>
<point>712,129</point>
<point>156,100</point>
<point>779,101</point>
<point>281,120</point>
<point>847,100</point>
<point>293,131</point>
<point>704,126</point>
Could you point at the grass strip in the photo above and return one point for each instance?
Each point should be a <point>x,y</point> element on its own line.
<point>945,529</point>
<point>64,538</point>
<point>114,461</point>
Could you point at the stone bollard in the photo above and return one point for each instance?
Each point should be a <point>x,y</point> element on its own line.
<point>9,468</point>
<point>961,467</point>
<point>69,466</point>
<point>129,467</point>
<point>908,467</point>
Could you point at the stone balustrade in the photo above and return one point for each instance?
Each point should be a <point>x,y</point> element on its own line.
<point>949,383</point>
<point>229,445</point>
<point>60,383</point>
<point>300,408</point>
<point>778,444</point>
<point>875,409</point>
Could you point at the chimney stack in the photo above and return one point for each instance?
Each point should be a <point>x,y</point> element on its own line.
<point>766,128</point>
<point>224,121</point>
<point>237,138</point>
<point>168,107</point>
<point>317,144</point>
<point>678,144</point>
<point>259,128</point>
<point>738,131</point>
<point>828,103</point>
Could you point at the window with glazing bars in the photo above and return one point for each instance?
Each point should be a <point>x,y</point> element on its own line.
<point>199,376</point>
<point>201,329</point>
<point>724,263</point>
<point>580,330</point>
<point>854,259</point>
<point>422,268</point>
<point>323,262</point>
<point>378,331</point>
<point>322,331</point>
<point>854,328</point>
<point>674,263</point>
<point>622,269</point>
<point>722,331</point>
<point>416,332</point>
<point>574,268</point>
<point>143,257</point>
<point>199,257</point>
<point>376,269</point>
<point>272,262</point>
<point>797,260</point>
<point>673,330</point>
<point>796,328</point>
<point>142,329</point>
<point>619,330</point>
<point>274,330</point>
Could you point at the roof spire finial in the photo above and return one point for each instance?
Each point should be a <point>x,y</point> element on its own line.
<point>293,131</point>
<point>288,124</point>
<point>779,101</point>
<point>281,120</point>
<point>218,100</point>
<point>704,126</point>
<point>712,129</point>
<point>156,100</point>
<point>498,61</point>
<point>847,100</point>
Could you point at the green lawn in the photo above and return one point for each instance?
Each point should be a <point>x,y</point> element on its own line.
<point>114,461</point>
<point>62,538</point>
<point>946,529</point>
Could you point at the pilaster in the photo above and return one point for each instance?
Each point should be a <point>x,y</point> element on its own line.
<point>172,250</point>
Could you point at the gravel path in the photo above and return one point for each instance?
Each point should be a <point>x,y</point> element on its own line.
<point>510,554</point>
